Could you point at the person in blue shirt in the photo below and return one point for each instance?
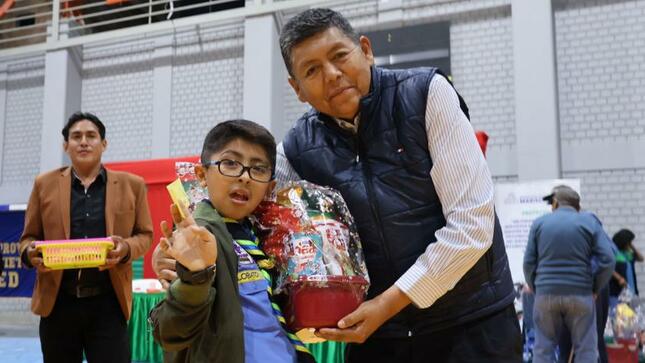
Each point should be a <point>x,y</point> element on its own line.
<point>558,268</point>
<point>602,313</point>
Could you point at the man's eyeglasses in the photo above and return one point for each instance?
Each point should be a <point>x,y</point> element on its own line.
<point>232,168</point>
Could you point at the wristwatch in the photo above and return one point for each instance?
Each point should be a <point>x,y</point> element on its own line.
<point>194,277</point>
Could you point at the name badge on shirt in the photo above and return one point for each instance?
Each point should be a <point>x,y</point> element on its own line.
<point>249,276</point>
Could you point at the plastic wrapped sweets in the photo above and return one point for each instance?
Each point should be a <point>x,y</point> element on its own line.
<point>186,174</point>
<point>310,234</point>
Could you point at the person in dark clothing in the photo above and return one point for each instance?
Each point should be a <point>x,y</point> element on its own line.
<point>624,276</point>
<point>398,146</point>
<point>85,311</point>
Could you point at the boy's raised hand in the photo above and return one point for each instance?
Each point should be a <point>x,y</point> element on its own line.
<point>191,245</point>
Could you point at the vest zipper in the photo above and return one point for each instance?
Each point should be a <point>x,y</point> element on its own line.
<point>367,174</point>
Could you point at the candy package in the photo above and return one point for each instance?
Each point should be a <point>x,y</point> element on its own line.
<point>624,321</point>
<point>310,234</point>
<point>186,174</point>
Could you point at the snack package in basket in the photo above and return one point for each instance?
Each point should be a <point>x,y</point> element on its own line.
<point>627,318</point>
<point>625,321</point>
<point>186,174</point>
<point>310,234</point>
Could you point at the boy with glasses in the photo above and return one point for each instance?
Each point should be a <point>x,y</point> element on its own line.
<point>221,308</point>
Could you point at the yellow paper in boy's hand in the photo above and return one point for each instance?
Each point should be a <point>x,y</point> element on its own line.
<point>178,196</point>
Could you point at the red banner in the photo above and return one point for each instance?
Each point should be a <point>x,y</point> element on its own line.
<point>157,173</point>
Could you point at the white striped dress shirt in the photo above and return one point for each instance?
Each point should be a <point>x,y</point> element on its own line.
<point>464,185</point>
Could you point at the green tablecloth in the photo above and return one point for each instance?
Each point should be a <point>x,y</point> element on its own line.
<point>144,349</point>
<point>328,352</point>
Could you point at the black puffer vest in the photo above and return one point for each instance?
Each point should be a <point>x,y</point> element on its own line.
<point>383,173</point>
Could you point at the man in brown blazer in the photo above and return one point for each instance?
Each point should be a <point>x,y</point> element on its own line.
<point>86,310</point>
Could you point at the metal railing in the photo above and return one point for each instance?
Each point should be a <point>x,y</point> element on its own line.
<point>24,22</point>
<point>29,22</point>
<point>29,27</point>
<point>94,16</point>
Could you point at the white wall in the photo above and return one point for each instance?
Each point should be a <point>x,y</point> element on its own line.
<point>117,87</point>
<point>601,87</point>
<point>23,112</point>
<point>207,83</point>
<point>599,47</point>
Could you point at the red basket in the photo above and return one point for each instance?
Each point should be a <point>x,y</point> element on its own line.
<point>623,351</point>
<point>321,301</point>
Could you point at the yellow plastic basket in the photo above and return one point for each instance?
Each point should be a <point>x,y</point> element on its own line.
<point>75,253</point>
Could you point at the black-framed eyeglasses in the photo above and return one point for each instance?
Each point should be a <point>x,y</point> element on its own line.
<point>233,168</point>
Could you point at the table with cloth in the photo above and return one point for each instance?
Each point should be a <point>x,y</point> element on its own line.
<point>142,345</point>
<point>144,349</point>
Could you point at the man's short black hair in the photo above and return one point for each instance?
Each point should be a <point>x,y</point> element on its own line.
<point>222,134</point>
<point>307,24</point>
<point>80,116</point>
<point>623,238</point>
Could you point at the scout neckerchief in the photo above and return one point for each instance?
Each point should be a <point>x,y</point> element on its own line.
<point>244,236</point>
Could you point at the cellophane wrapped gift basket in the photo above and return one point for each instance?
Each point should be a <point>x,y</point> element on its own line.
<point>310,234</point>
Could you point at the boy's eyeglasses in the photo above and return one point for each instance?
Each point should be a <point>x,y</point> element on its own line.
<point>232,168</point>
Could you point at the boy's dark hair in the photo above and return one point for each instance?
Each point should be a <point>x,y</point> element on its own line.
<point>309,23</point>
<point>80,116</point>
<point>623,238</point>
<point>249,131</point>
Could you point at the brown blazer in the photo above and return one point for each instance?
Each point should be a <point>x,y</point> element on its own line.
<point>48,218</point>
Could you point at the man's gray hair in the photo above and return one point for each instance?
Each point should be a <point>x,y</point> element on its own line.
<point>565,195</point>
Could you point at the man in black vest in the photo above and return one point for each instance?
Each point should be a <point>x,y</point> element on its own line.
<point>399,147</point>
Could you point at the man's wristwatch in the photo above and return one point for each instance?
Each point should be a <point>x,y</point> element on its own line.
<point>194,277</point>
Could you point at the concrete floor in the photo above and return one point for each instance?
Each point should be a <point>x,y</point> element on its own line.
<point>19,344</point>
